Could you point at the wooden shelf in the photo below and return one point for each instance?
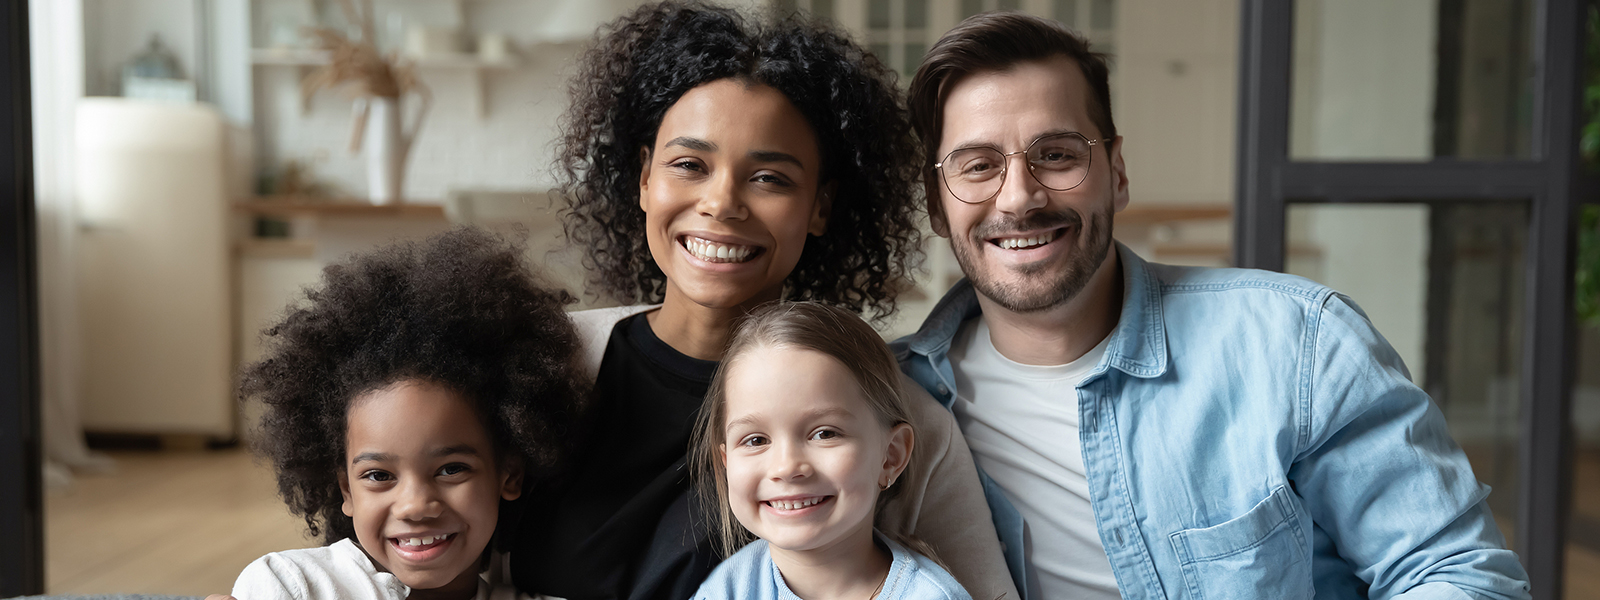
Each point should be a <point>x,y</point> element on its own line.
<point>1222,251</point>
<point>1153,214</point>
<point>290,206</point>
<point>308,57</point>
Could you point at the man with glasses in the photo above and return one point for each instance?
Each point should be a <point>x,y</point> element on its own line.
<point>1149,431</point>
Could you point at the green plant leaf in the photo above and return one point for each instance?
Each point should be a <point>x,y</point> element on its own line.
<point>1586,281</point>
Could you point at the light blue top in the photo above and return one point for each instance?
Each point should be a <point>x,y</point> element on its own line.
<point>750,575</point>
<point>1248,434</point>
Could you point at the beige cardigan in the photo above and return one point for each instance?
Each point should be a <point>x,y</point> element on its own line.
<point>940,501</point>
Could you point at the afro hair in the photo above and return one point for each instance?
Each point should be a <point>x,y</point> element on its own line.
<point>461,310</point>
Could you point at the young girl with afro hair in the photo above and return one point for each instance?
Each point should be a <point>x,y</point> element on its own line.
<point>409,398</point>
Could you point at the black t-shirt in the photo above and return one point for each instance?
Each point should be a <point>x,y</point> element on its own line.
<point>624,522</point>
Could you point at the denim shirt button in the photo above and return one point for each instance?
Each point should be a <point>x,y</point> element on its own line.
<point>944,390</point>
<point>1118,534</point>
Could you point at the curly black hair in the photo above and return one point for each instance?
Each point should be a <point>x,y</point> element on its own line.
<point>642,63</point>
<point>460,310</point>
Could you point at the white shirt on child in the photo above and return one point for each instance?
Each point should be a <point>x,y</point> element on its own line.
<point>339,571</point>
<point>1023,431</point>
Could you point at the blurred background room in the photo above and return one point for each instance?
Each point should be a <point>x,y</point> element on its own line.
<point>196,165</point>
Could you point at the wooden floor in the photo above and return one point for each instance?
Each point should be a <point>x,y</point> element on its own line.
<point>182,523</point>
<point>1583,574</point>
<point>1583,564</point>
<point>186,523</point>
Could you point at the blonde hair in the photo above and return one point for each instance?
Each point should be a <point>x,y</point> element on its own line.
<point>800,325</point>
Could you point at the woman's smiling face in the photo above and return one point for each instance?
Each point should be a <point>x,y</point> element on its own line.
<point>730,191</point>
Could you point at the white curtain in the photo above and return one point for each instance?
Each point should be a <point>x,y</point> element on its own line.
<point>56,44</point>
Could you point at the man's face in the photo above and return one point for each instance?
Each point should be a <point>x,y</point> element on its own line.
<point>1029,248</point>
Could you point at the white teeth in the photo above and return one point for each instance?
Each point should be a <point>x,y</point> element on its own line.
<point>713,252</point>
<point>1028,242</point>
<point>422,541</point>
<point>795,504</point>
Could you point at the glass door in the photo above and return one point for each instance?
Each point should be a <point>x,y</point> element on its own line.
<point>1420,156</point>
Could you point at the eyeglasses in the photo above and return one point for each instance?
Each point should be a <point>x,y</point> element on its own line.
<point>1058,162</point>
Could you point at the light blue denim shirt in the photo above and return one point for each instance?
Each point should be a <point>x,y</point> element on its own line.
<point>1248,434</point>
<point>751,575</point>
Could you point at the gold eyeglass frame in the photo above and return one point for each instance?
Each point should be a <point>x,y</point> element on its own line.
<point>1005,164</point>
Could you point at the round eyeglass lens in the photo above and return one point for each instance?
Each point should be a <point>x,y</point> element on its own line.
<point>1058,162</point>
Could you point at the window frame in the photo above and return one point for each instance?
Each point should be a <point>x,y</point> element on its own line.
<point>1553,181</point>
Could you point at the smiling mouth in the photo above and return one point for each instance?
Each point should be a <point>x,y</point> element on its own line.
<point>792,505</point>
<point>422,544</point>
<point>1028,242</point>
<point>423,541</point>
<point>714,252</point>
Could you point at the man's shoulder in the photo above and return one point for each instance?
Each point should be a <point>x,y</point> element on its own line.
<point>1264,312</point>
<point>1225,282</point>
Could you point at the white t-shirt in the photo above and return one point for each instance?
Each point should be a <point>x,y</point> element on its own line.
<point>1021,422</point>
<point>339,571</point>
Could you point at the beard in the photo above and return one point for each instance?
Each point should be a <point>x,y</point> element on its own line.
<point>1042,285</point>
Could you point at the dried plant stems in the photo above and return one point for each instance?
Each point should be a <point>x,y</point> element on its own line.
<point>360,68</point>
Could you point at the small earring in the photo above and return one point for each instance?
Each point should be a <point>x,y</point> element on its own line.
<point>885,488</point>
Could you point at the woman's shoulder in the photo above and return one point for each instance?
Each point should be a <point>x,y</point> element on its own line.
<point>748,574</point>
<point>932,420</point>
<point>594,328</point>
<point>606,318</point>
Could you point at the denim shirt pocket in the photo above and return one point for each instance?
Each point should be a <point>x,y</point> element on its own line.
<point>1260,554</point>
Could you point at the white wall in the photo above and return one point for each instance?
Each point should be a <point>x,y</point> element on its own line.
<point>1364,74</point>
<point>1173,95</point>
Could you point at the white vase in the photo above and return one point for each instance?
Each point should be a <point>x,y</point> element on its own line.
<point>386,146</point>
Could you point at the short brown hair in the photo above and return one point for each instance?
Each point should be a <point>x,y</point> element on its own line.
<point>995,41</point>
<point>803,325</point>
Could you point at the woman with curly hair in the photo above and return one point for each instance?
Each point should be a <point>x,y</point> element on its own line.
<point>711,164</point>
<point>407,399</point>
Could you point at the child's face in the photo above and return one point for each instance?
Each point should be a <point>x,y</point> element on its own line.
<point>805,454</point>
<point>422,484</point>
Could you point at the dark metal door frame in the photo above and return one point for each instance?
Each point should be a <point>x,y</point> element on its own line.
<point>1551,181</point>
<point>21,514</point>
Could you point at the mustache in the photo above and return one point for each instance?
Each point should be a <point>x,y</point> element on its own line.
<point>1007,226</point>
